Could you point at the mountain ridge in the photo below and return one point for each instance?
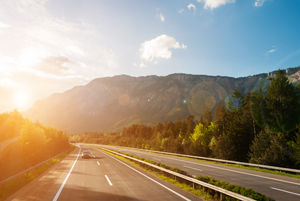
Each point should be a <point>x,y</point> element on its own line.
<point>111,103</point>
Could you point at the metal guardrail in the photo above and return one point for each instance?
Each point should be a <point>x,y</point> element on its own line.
<point>28,169</point>
<point>187,178</point>
<point>219,160</point>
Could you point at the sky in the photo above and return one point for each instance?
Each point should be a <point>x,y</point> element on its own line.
<point>49,46</point>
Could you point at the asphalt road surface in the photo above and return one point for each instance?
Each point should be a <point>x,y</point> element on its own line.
<point>278,187</point>
<point>102,177</point>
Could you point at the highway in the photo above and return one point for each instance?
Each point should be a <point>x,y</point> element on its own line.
<point>102,177</point>
<point>278,187</point>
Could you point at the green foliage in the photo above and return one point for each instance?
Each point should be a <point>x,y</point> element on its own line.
<point>274,149</point>
<point>238,131</point>
<point>278,113</point>
<point>248,192</point>
<point>282,104</point>
<point>264,120</point>
<point>201,138</point>
<point>296,146</point>
<point>34,144</point>
<point>257,108</point>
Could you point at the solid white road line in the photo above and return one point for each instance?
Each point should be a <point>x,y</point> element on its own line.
<point>109,182</point>
<point>98,163</point>
<point>254,175</point>
<point>66,179</point>
<point>278,189</point>
<point>193,168</point>
<point>179,195</point>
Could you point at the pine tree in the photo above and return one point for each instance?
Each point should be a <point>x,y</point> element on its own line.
<point>281,104</point>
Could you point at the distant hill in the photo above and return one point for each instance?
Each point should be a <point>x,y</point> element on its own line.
<point>110,103</point>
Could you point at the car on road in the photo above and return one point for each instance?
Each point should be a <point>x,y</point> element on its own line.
<point>86,155</point>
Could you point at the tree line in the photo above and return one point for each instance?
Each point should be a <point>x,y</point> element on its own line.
<point>34,143</point>
<point>258,127</point>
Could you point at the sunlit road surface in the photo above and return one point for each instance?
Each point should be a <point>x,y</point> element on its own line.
<point>278,187</point>
<point>101,178</point>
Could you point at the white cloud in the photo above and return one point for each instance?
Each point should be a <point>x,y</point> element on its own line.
<point>158,48</point>
<point>161,17</point>
<point>212,4</point>
<point>259,3</point>
<point>272,50</point>
<point>191,6</point>
<point>56,65</point>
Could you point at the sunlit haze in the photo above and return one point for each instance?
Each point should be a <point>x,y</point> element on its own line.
<point>49,46</point>
<point>21,99</point>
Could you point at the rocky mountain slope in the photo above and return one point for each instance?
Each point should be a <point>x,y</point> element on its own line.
<point>110,103</point>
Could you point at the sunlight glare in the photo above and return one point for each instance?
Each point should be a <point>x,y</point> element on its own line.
<point>21,99</point>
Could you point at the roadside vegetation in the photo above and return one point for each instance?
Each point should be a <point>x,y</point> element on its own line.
<point>189,187</point>
<point>35,143</point>
<point>260,127</point>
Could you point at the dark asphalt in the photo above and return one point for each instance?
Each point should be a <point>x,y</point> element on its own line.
<point>101,178</point>
<point>278,187</point>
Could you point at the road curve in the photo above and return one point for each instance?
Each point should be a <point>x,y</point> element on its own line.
<point>101,178</point>
<point>278,187</point>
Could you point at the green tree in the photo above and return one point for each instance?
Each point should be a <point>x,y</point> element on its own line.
<point>282,104</point>
<point>238,132</point>
<point>201,138</point>
<point>273,149</point>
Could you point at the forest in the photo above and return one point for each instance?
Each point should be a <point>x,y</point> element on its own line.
<point>259,127</point>
<point>30,143</point>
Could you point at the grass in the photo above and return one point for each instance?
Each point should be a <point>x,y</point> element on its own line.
<point>196,190</point>
<point>11,186</point>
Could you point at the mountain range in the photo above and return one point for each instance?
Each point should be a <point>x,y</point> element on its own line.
<point>111,103</point>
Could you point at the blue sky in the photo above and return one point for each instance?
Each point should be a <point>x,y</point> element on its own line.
<point>49,46</point>
<point>234,39</point>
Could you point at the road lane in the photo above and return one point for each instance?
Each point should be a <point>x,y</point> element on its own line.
<point>67,177</point>
<point>112,180</point>
<point>154,180</point>
<point>46,185</point>
<point>264,183</point>
<point>107,180</point>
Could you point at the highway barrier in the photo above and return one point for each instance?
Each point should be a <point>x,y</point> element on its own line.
<point>31,168</point>
<point>282,169</point>
<point>186,178</point>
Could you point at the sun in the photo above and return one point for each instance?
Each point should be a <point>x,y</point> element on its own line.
<point>21,99</point>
